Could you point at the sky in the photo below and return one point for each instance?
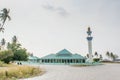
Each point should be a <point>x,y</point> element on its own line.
<point>48,26</point>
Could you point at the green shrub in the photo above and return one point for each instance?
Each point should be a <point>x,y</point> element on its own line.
<point>6,56</point>
<point>96,59</point>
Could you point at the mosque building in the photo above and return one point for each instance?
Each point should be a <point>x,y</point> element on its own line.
<point>63,56</point>
<point>66,57</point>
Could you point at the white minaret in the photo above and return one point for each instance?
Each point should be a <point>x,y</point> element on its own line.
<point>89,38</point>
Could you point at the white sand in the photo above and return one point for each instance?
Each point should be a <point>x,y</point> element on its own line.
<point>64,72</point>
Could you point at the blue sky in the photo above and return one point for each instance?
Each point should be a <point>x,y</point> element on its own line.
<point>47,26</point>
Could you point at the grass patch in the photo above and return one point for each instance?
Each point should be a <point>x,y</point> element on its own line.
<point>81,65</point>
<point>110,62</point>
<point>3,64</point>
<point>14,72</point>
<point>86,64</point>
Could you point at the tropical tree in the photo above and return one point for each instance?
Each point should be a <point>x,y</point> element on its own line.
<point>8,46</point>
<point>14,39</point>
<point>108,54</point>
<point>96,54</point>
<point>20,53</point>
<point>4,16</point>
<point>96,58</point>
<point>14,45</point>
<point>113,56</point>
<point>6,56</point>
<point>87,55</point>
<point>3,43</point>
<point>101,57</point>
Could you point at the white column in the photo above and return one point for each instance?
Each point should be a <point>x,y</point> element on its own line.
<point>90,49</point>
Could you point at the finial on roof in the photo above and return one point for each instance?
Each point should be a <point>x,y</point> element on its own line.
<point>89,31</point>
<point>88,28</point>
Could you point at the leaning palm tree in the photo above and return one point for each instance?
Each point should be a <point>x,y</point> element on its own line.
<point>4,16</point>
<point>1,29</point>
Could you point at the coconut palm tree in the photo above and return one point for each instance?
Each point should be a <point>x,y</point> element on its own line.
<point>96,54</point>
<point>14,39</point>
<point>87,55</point>
<point>108,54</point>
<point>101,57</point>
<point>1,29</point>
<point>116,56</point>
<point>8,45</point>
<point>3,43</point>
<point>4,16</point>
<point>112,56</point>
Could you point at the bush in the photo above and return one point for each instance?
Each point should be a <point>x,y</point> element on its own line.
<point>96,59</point>
<point>17,72</point>
<point>6,56</point>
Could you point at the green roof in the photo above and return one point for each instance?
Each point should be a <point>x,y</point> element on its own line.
<point>63,54</point>
<point>32,57</point>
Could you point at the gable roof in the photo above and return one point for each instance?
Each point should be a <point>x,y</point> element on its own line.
<point>32,57</point>
<point>63,54</point>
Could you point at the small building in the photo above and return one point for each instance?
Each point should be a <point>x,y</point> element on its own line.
<point>63,57</point>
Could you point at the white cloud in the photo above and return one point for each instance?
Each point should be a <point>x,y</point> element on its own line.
<point>57,9</point>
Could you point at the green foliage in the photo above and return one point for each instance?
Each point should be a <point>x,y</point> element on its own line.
<point>96,54</point>
<point>20,55</point>
<point>111,55</point>
<point>96,59</point>
<point>101,57</point>
<point>4,15</point>
<point>14,52</point>
<point>6,56</point>
<point>3,42</point>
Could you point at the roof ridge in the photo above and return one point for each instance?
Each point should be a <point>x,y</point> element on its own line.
<point>64,52</point>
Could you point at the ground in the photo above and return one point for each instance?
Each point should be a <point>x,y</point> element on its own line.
<point>65,72</point>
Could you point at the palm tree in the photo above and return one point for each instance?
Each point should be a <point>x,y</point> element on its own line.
<point>3,43</point>
<point>14,39</point>
<point>116,56</point>
<point>108,54</point>
<point>8,45</point>
<point>112,56</point>
<point>4,16</point>
<point>101,57</point>
<point>96,54</point>
<point>87,55</point>
<point>1,29</point>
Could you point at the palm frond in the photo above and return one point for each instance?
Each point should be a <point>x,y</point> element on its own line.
<point>8,10</point>
<point>2,29</point>
<point>9,17</point>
